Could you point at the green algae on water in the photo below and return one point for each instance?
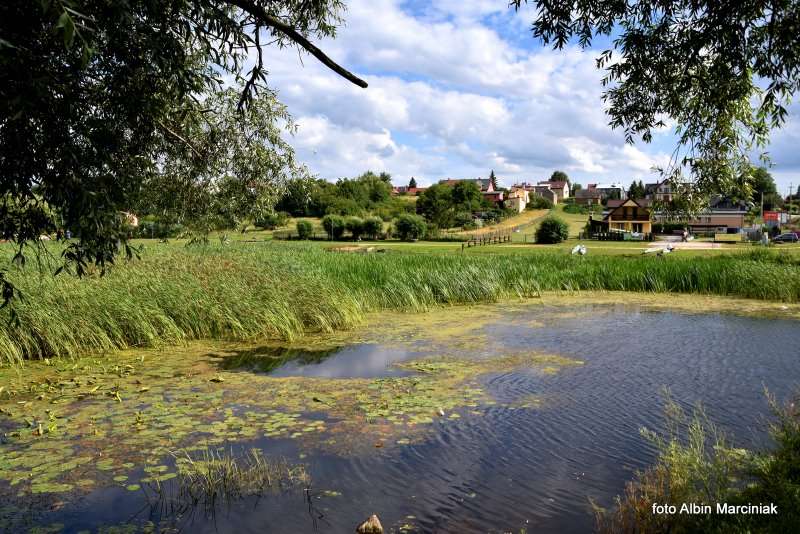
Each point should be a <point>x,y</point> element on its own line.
<point>111,427</point>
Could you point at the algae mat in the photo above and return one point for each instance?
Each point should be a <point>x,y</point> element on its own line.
<point>74,426</point>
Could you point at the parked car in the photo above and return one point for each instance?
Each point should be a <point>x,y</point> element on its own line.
<point>786,238</point>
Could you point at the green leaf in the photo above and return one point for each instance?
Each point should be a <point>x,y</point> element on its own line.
<point>66,23</point>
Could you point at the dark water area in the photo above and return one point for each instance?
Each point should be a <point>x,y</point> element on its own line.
<point>512,468</point>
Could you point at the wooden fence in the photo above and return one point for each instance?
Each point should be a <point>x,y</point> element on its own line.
<point>491,239</point>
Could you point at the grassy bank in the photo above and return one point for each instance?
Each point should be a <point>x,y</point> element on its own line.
<point>266,290</point>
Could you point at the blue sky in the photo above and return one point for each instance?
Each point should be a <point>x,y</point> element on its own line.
<point>460,87</point>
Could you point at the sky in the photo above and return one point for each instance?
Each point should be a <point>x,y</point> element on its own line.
<point>460,87</point>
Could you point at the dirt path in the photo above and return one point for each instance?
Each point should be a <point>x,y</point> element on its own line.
<point>526,218</point>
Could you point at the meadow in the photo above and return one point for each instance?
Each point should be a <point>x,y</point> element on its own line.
<point>260,290</point>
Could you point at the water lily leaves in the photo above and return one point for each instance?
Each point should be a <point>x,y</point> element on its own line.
<point>50,487</point>
<point>106,408</point>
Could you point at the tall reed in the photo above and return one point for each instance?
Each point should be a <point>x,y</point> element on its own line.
<point>246,292</point>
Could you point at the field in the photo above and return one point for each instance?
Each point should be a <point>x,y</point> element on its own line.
<point>523,222</point>
<point>274,289</point>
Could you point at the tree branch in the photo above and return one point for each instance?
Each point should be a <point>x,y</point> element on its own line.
<point>180,138</point>
<point>266,19</point>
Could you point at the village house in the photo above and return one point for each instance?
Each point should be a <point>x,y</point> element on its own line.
<point>628,216</point>
<point>607,191</point>
<point>588,197</point>
<point>659,192</point>
<point>543,191</point>
<point>517,199</point>
<point>485,185</point>
<point>495,197</point>
<point>560,188</point>
<point>722,216</point>
<point>405,190</point>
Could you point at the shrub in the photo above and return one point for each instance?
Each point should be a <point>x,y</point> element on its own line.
<point>355,226</point>
<point>697,464</point>
<point>408,227</point>
<point>304,229</point>
<point>539,203</point>
<point>373,227</point>
<point>271,221</point>
<point>575,208</point>
<point>464,219</point>
<point>334,225</point>
<point>552,230</point>
<point>344,206</point>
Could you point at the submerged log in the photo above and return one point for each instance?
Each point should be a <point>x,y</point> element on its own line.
<point>370,526</point>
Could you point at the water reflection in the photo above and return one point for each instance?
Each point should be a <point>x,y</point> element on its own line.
<point>367,360</point>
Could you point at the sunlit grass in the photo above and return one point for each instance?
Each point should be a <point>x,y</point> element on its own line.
<point>281,290</point>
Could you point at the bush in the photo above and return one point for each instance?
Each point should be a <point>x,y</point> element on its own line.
<point>373,227</point>
<point>304,229</point>
<point>334,225</point>
<point>575,208</point>
<point>697,464</point>
<point>539,203</point>
<point>552,230</point>
<point>272,220</point>
<point>408,227</point>
<point>464,219</point>
<point>344,207</point>
<point>355,226</point>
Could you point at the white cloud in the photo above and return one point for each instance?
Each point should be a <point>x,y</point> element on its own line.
<point>450,96</point>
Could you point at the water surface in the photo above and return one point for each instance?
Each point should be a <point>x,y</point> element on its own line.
<point>553,439</point>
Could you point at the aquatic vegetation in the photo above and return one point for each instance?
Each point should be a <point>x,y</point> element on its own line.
<point>283,290</point>
<point>697,464</point>
<point>62,417</point>
<point>216,477</point>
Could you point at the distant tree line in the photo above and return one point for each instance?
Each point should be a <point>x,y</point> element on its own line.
<point>369,193</point>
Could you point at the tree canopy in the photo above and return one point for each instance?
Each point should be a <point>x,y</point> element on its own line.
<point>98,99</point>
<point>559,176</point>
<point>636,190</point>
<point>764,189</point>
<point>724,72</point>
<point>367,193</point>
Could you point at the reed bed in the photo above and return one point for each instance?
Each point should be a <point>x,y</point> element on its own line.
<point>247,292</point>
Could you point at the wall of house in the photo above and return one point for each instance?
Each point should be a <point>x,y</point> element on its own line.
<point>712,220</point>
<point>516,203</point>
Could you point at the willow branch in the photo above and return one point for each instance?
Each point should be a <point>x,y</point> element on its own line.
<point>266,19</point>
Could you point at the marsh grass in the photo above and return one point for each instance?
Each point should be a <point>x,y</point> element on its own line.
<point>697,464</point>
<point>220,477</point>
<point>259,291</point>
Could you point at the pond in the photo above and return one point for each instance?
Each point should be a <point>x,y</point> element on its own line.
<point>496,418</point>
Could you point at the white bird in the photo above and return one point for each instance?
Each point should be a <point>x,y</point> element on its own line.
<point>579,249</point>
